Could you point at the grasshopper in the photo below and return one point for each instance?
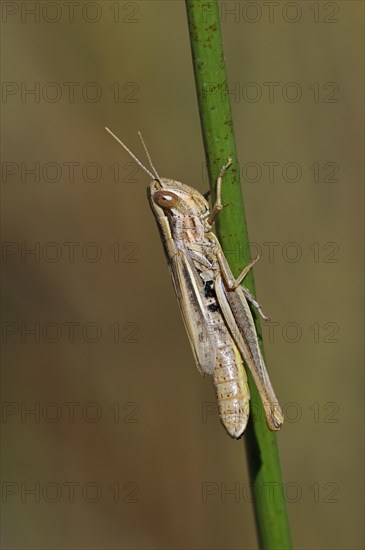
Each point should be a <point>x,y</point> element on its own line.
<point>213,303</point>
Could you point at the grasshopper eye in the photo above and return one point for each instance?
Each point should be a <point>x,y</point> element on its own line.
<point>166,199</point>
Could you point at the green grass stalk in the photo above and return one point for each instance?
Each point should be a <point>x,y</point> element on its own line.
<point>217,128</point>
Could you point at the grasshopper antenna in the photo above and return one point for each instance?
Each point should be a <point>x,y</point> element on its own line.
<point>148,156</point>
<point>132,155</point>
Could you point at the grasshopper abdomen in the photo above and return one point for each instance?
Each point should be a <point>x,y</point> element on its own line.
<point>233,394</point>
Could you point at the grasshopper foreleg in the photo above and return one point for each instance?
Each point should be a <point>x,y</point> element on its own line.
<point>218,206</point>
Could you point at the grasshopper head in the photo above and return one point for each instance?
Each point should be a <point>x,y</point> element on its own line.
<point>174,198</point>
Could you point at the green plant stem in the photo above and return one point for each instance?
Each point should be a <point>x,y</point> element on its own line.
<point>217,128</point>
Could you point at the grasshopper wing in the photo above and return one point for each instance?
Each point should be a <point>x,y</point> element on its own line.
<point>238,317</point>
<point>189,291</point>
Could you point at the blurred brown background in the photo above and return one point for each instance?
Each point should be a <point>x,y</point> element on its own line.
<point>123,449</point>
